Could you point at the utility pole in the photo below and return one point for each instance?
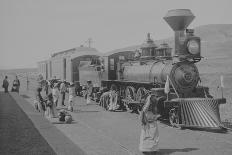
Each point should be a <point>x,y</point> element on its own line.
<point>27,83</point>
<point>89,42</point>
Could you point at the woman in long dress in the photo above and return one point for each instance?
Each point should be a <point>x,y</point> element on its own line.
<point>104,100</point>
<point>149,137</point>
<point>55,94</point>
<point>50,113</point>
<point>113,104</point>
<point>71,95</point>
<point>39,101</point>
<point>89,91</point>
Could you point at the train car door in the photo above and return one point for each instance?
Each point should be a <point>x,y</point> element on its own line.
<point>46,72</point>
<point>64,66</point>
<point>112,69</point>
<point>50,65</point>
<point>75,70</point>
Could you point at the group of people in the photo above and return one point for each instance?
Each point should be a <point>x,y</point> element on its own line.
<point>55,97</point>
<point>149,136</point>
<point>15,85</point>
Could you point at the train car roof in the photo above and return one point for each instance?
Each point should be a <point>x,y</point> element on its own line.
<point>83,53</point>
<point>76,52</point>
<point>43,61</point>
<point>126,49</point>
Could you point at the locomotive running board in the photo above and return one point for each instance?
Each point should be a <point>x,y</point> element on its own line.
<point>200,113</point>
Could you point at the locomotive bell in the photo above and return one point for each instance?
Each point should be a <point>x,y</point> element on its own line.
<point>179,20</point>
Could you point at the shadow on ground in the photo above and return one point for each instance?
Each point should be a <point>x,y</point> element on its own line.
<point>170,151</point>
<point>81,111</point>
<point>25,96</point>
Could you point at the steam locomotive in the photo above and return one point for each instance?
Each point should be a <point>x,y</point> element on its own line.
<point>171,76</point>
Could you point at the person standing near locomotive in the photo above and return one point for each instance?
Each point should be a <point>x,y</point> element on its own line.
<point>5,84</point>
<point>149,137</point>
<point>113,98</point>
<point>16,84</point>
<point>62,92</point>
<point>89,91</point>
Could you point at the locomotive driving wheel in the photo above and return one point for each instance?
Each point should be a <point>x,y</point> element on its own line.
<point>140,95</point>
<point>129,95</point>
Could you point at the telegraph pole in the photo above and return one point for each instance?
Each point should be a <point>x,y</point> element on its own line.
<point>89,42</point>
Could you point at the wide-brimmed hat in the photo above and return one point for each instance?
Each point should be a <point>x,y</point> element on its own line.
<point>48,82</point>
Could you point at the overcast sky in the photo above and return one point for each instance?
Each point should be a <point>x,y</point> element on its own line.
<point>31,30</point>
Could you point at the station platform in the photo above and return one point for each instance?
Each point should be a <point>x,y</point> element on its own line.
<point>95,131</point>
<point>23,131</point>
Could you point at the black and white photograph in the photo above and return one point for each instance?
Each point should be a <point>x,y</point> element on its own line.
<point>115,77</point>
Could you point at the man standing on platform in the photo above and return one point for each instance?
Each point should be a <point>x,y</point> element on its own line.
<point>62,92</point>
<point>5,84</point>
<point>16,84</point>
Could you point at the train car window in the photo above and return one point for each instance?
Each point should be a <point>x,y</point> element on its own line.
<point>121,57</point>
<point>92,62</point>
<point>98,62</point>
<point>111,64</point>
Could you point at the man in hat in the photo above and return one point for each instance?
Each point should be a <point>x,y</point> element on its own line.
<point>5,84</point>
<point>16,84</point>
<point>62,92</point>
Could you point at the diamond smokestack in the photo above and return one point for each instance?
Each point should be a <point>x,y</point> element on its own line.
<point>179,20</point>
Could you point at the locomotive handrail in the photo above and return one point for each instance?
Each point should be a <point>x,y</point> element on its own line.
<point>173,87</point>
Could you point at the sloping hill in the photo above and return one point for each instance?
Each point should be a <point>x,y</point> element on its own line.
<point>215,32</point>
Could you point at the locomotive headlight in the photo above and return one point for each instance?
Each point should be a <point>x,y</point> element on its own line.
<point>193,47</point>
